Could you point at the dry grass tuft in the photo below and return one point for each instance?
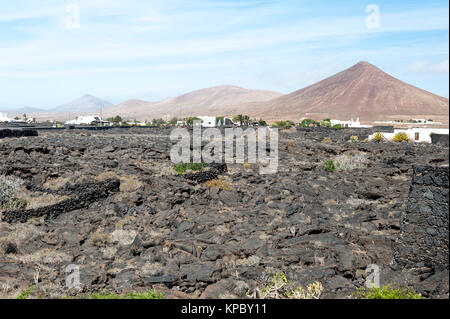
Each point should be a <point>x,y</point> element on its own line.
<point>348,162</point>
<point>100,239</point>
<point>45,256</point>
<point>10,188</point>
<point>105,176</point>
<point>56,183</point>
<point>36,200</point>
<point>129,183</point>
<point>219,183</point>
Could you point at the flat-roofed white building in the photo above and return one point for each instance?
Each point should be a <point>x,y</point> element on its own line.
<point>80,120</point>
<point>4,117</point>
<point>208,121</point>
<point>350,123</point>
<point>416,134</point>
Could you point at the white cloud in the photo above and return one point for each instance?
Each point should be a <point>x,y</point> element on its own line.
<point>425,67</point>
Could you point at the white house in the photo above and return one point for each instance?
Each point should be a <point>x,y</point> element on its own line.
<point>208,121</point>
<point>416,134</point>
<point>350,123</point>
<point>4,117</point>
<point>79,120</point>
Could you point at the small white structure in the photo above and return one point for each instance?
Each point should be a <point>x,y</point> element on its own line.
<point>85,120</point>
<point>416,134</point>
<point>350,123</point>
<point>211,121</point>
<point>4,117</point>
<point>208,121</point>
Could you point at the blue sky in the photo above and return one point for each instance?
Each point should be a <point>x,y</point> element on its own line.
<point>159,48</point>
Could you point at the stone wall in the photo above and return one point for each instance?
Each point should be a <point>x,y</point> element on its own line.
<point>17,133</point>
<point>423,239</point>
<point>440,139</point>
<point>87,194</point>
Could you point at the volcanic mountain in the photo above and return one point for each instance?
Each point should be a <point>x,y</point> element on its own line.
<point>85,103</point>
<point>362,90</point>
<point>209,101</point>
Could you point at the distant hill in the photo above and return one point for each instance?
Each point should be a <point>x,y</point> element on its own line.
<point>84,104</point>
<point>128,109</point>
<point>200,102</point>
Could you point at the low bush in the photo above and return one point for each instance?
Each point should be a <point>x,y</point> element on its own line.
<point>24,294</point>
<point>401,137</point>
<point>100,239</point>
<point>151,294</point>
<point>378,137</point>
<point>354,138</point>
<point>387,292</point>
<point>279,287</point>
<point>329,166</point>
<point>218,183</point>
<point>183,167</point>
<point>308,122</point>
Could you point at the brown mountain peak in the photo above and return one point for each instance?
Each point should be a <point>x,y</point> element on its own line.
<point>363,91</point>
<point>364,66</point>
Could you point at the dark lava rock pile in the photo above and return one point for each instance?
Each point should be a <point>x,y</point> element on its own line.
<point>17,133</point>
<point>187,239</point>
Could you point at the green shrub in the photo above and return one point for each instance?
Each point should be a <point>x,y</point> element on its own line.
<point>401,137</point>
<point>338,126</point>
<point>387,292</point>
<point>329,166</point>
<point>261,122</point>
<point>308,122</point>
<point>183,167</point>
<point>151,294</point>
<point>24,294</point>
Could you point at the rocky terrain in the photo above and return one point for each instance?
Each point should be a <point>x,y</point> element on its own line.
<point>111,203</point>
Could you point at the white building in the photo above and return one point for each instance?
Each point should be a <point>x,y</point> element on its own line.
<point>208,121</point>
<point>416,134</point>
<point>350,123</point>
<point>86,120</point>
<point>211,121</point>
<point>4,117</point>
